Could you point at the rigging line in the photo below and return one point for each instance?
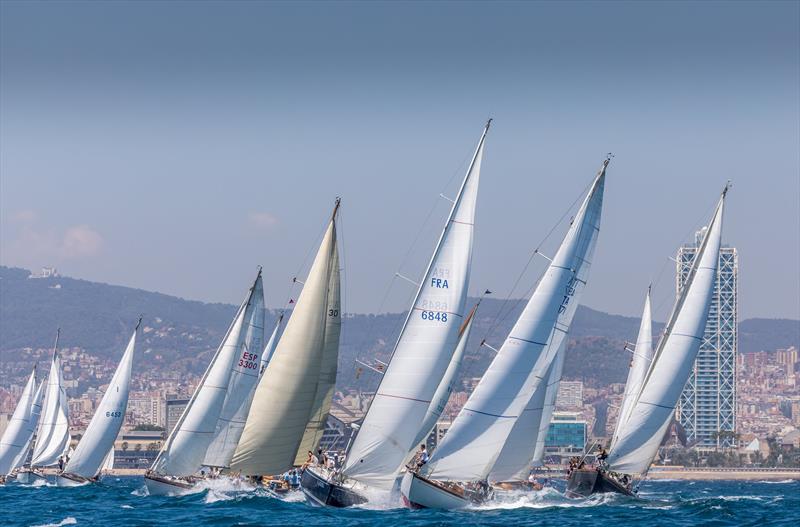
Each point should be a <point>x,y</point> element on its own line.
<point>498,319</point>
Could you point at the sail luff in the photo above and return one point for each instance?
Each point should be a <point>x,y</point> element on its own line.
<point>87,460</point>
<point>476,438</point>
<point>424,346</point>
<point>18,430</point>
<point>183,451</point>
<point>641,435</point>
<point>285,395</point>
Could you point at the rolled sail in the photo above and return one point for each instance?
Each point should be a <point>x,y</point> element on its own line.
<point>285,395</point>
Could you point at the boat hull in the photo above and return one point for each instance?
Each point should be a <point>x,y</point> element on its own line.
<point>419,492</point>
<point>29,477</point>
<point>165,486</point>
<point>587,481</point>
<point>322,492</point>
<point>66,479</point>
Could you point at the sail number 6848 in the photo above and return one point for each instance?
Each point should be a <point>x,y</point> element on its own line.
<point>434,315</point>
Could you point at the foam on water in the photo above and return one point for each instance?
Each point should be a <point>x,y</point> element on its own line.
<point>69,520</point>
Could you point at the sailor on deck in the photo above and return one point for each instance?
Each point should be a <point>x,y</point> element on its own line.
<point>422,456</point>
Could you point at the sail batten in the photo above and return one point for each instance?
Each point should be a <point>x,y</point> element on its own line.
<point>476,438</point>
<point>424,346</point>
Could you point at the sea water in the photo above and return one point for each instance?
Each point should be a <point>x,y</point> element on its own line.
<point>123,501</point>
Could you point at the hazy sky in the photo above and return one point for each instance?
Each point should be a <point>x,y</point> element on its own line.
<point>175,146</point>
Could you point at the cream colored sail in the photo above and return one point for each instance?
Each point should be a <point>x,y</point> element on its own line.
<point>328,367</point>
<point>286,393</point>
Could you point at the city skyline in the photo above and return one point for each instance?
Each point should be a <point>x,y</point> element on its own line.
<point>230,129</point>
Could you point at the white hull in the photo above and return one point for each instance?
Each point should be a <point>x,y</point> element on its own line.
<point>27,477</point>
<point>418,493</point>
<point>160,487</point>
<point>61,481</point>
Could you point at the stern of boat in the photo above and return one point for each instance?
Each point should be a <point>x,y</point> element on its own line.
<point>419,492</point>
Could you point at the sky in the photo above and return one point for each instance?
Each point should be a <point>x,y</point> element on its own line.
<point>176,146</point>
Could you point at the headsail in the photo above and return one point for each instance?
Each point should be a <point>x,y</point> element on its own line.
<point>242,383</point>
<point>107,420</point>
<point>474,442</point>
<point>641,434</point>
<point>185,448</point>
<point>19,429</point>
<point>424,347</point>
<point>640,363</point>
<point>52,438</point>
<point>33,424</point>
<point>327,368</point>
<point>285,395</point>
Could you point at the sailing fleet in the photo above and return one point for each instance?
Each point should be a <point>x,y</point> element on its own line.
<point>263,403</point>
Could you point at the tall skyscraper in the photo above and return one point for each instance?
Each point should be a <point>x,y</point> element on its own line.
<point>707,407</point>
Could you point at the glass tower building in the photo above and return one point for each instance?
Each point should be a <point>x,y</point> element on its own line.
<point>707,407</point>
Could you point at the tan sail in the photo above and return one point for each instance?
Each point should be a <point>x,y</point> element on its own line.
<point>328,367</point>
<point>287,391</point>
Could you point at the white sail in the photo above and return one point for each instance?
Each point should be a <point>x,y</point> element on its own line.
<point>33,424</point>
<point>424,347</point>
<point>242,384</point>
<point>19,429</point>
<point>326,381</point>
<point>107,420</point>
<point>269,349</point>
<point>185,448</point>
<point>519,451</point>
<point>285,395</point>
<point>474,442</point>
<point>641,434</point>
<point>640,363</point>
<point>447,384</point>
<point>108,461</point>
<point>53,437</point>
<point>549,405</point>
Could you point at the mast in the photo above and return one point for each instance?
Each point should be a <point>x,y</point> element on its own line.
<point>424,347</point>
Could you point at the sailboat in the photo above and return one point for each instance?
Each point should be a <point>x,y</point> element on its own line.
<point>417,366</point>
<point>458,472</point>
<point>19,429</point>
<point>85,464</point>
<point>183,453</point>
<point>293,396</point>
<point>27,450</point>
<point>52,434</point>
<point>650,398</point>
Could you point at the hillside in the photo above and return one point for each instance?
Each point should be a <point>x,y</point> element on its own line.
<point>99,317</point>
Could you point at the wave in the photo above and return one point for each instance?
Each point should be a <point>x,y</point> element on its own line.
<point>779,482</point>
<point>69,520</point>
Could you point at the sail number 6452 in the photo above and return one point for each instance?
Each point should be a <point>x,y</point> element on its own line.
<point>434,315</point>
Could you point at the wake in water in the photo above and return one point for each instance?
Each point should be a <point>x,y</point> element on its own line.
<point>69,520</point>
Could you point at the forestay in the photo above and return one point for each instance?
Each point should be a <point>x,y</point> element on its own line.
<point>424,347</point>
<point>242,383</point>
<point>285,395</point>
<point>474,442</point>
<point>640,363</point>
<point>185,448</point>
<point>641,435</point>
<point>18,429</point>
<point>107,420</point>
<point>52,437</point>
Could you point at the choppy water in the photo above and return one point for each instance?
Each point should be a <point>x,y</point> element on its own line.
<point>123,502</point>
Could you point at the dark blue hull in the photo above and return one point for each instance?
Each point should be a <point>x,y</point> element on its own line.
<point>324,493</point>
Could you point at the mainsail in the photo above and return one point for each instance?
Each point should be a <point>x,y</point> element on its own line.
<point>472,445</point>
<point>327,369</point>
<point>424,348</point>
<point>641,434</point>
<point>285,395</point>
<point>52,437</point>
<point>33,423</point>
<point>185,448</point>
<point>107,420</point>
<point>640,363</point>
<point>242,384</point>
<point>19,429</point>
